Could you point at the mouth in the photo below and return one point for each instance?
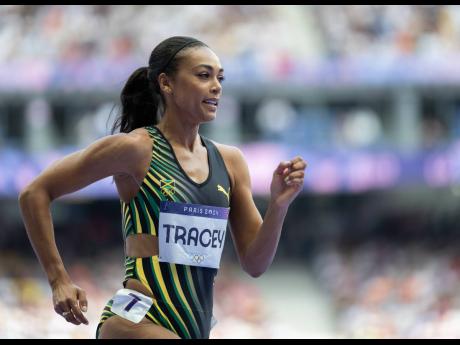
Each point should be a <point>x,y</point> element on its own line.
<point>211,102</point>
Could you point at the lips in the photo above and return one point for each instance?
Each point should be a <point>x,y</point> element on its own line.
<point>212,101</point>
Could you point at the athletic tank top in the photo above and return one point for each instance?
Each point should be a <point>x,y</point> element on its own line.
<point>185,292</point>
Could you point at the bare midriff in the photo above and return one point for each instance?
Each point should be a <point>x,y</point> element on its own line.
<point>140,246</point>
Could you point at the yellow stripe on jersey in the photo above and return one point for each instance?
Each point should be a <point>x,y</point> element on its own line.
<point>127,221</point>
<point>124,213</point>
<point>152,188</point>
<point>138,222</point>
<point>182,296</point>
<point>192,287</point>
<point>141,274</point>
<point>154,318</point>
<point>153,178</point>
<point>126,210</point>
<point>164,291</point>
<point>152,226</point>
<point>163,315</point>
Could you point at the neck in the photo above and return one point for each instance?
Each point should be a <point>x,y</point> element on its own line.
<point>179,133</point>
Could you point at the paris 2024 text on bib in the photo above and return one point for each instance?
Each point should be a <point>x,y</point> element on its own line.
<point>191,234</point>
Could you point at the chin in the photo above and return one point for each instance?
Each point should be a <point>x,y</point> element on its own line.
<point>209,117</point>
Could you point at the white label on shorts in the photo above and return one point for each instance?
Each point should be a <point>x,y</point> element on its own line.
<point>131,305</point>
<point>191,234</point>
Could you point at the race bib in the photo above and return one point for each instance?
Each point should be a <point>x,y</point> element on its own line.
<point>191,234</point>
<point>131,304</point>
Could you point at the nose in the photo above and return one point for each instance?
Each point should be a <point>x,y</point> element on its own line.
<point>216,88</point>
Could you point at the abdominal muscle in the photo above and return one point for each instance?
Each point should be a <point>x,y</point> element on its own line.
<point>140,246</point>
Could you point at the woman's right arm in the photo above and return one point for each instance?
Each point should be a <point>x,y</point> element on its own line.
<point>108,156</point>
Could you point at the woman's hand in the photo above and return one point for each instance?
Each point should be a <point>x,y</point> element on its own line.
<point>287,181</point>
<point>69,301</point>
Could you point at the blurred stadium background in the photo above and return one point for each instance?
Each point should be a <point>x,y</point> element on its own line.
<point>369,95</point>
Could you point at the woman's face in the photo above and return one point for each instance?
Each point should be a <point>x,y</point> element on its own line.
<point>196,88</point>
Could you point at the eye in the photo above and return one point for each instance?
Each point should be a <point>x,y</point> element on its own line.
<point>221,78</point>
<point>204,75</point>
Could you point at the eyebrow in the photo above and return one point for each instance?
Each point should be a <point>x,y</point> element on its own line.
<point>209,67</point>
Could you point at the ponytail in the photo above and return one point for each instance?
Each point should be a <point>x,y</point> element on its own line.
<point>139,103</point>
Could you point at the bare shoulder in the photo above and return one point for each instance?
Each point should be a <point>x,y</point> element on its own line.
<point>139,133</point>
<point>233,158</point>
<point>140,141</point>
<point>230,154</point>
<point>125,152</point>
<point>120,145</point>
<point>136,147</point>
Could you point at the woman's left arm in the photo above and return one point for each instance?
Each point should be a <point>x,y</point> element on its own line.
<point>256,240</point>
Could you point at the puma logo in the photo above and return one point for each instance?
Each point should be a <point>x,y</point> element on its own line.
<point>227,194</point>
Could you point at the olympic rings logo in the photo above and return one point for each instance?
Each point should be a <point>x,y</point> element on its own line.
<point>198,258</point>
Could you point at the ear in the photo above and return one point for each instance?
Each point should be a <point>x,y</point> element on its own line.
<point>165,83</point>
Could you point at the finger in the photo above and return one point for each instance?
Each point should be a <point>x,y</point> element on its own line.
<point>81,295</point>
<point>62,307</point>
<point>286,172</point>
<point>58,309</point>
<point>70,317</point>
<point>71,303</point>
<point>67,314</point>
<point>296,159</point>
<point>281,169</point>
<point>295,182</point>
<point>295,174</point>
<point>78,314</point>
<point>299,165</point>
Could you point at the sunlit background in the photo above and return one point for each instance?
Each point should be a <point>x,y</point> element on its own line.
<point>368,95</point>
